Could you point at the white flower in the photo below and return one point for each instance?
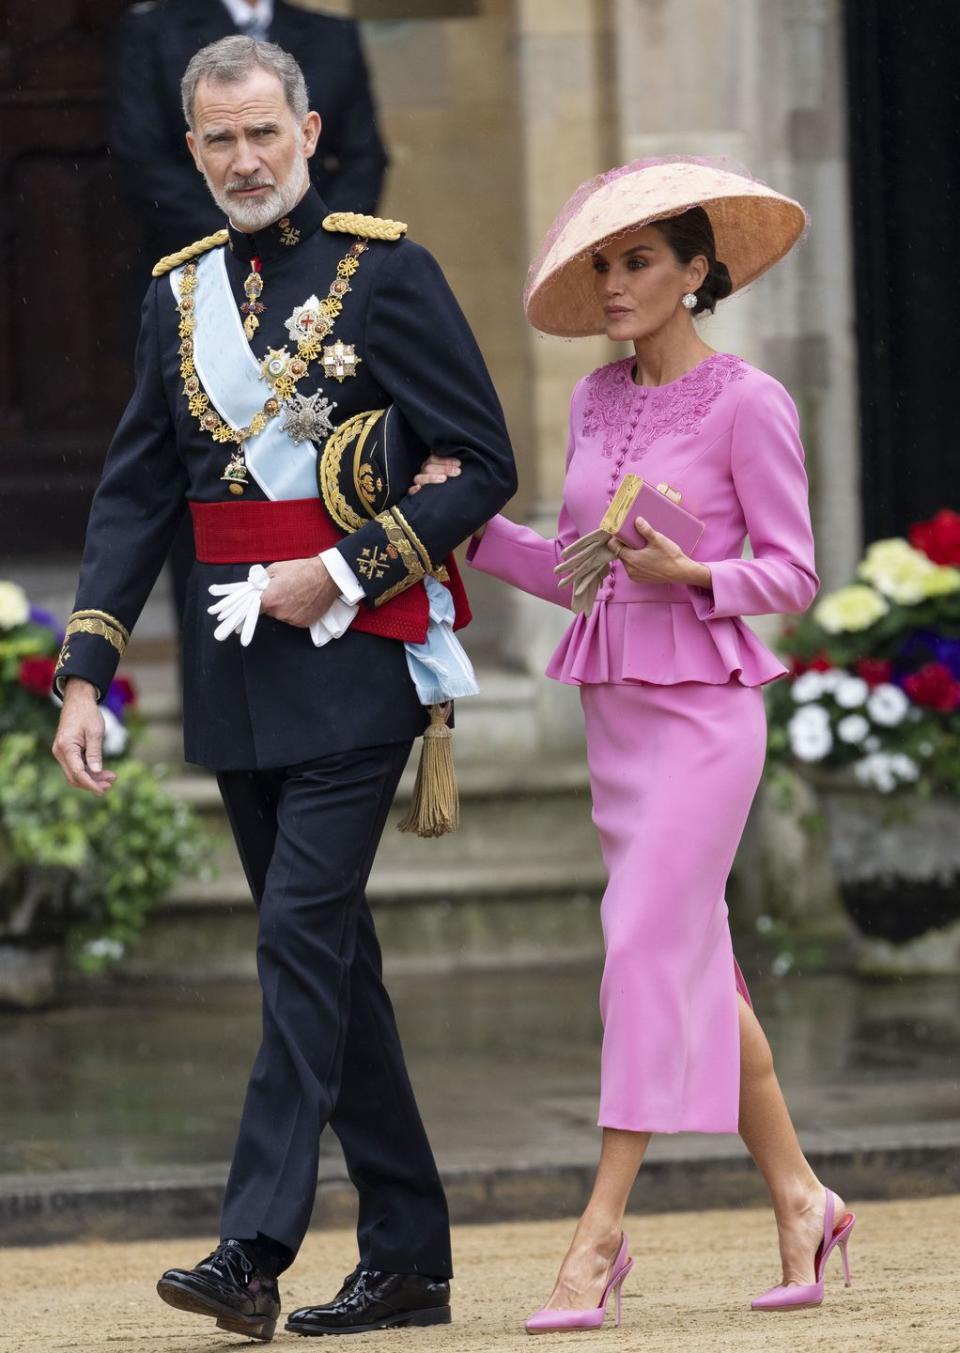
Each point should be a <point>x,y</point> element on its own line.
<point>887,705</point>
<point>810,686</point>
<point>886,770</point>
<point>103,948</point>
<point>851,692</point>
<point>781,965</point>
<point>875,772</point>
<point>809,733</point>
<point>14,607</point>
<point>904,767</point>
<point>899,571</point>
<point>853,729</point>
<point>850,608</point>
<point>115,736</point>
<point>832,679</point>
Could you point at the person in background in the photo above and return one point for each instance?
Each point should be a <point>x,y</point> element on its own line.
<point>152,45</point>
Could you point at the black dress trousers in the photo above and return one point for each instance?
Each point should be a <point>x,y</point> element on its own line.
<point>330,1052</point>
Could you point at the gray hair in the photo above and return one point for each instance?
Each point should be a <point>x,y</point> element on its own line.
<point>232,59</point>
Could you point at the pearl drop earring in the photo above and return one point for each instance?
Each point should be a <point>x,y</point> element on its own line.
<point>689,301</point>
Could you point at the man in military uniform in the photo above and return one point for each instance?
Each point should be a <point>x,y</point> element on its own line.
<point>255,345</point>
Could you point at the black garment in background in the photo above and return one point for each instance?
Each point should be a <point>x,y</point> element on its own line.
<point>152,46</point>
<point>331,1052</point>
<point>905,183</point>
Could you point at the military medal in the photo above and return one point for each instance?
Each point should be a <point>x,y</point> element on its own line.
<point>340,360</point>
<point>306,417</point>
<point>252,289</point>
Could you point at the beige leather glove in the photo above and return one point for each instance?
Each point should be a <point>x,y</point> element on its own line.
<point>584,565</point>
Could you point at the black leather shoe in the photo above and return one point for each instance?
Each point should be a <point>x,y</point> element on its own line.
<point>371,1300</point>
<point>228,1286</point>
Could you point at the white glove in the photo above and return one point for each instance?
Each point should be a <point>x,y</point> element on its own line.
<point>239,607</point>
<point>238,610</point>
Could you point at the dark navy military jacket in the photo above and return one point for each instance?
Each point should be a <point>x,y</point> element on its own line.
<point>281,701</point>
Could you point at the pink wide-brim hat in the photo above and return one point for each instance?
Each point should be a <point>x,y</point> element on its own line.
<point>754,228</point>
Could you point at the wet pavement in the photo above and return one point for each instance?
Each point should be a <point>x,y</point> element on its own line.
<point>505,1066</point>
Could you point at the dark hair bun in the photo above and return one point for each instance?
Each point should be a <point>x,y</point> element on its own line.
<point>717,286</point>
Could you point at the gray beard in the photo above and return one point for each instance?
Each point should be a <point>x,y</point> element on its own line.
<point>253,216</point>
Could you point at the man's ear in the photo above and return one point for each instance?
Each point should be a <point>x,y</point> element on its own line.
<point>310,127</point>
<point>192,147</point>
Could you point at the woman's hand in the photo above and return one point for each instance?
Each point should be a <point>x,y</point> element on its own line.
<point>661,561</point>
<point>435,470</point>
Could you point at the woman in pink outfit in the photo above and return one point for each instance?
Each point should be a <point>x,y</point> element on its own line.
<point>670,679</point>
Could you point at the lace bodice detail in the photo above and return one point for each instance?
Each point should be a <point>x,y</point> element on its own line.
<point>626,413</point>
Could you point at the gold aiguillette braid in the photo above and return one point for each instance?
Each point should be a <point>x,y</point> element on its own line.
<point>171,261</point>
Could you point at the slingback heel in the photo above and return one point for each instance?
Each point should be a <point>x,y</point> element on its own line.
<point>547,1321</point>
<point>799,1296</point>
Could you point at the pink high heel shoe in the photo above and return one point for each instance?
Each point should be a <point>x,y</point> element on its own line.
<point>547,1321</point>
<point>797,1296</point>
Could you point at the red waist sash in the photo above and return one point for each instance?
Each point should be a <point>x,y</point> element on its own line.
<point>258,533</point>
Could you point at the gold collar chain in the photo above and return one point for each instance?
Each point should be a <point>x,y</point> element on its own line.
<point>280,369</point>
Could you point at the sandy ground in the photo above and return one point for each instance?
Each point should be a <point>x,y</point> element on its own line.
<point>690,1290</point>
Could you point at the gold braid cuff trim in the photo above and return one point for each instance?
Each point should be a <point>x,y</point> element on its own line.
<point>171,261</point>
<point>408,557</point>
<point>100,623</point>
<point>438,571</point>
<point>367,227</point>
<point>414,539</point>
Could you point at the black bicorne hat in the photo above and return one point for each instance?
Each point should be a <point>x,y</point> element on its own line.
<point>367,464</point>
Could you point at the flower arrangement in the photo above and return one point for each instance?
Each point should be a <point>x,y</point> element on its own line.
<point>72,865</point>
<point>875,669</point>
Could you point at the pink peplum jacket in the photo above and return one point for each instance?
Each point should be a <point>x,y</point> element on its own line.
<point>725,435</point>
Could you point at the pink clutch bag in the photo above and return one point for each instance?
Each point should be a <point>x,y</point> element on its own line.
<point>660,506</point>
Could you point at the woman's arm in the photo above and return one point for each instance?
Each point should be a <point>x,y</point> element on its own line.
<point>771,484</point>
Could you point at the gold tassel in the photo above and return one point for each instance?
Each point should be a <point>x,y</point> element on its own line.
<point>435,807</point>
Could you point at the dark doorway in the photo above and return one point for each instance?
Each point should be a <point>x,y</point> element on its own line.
<point>905,182</point>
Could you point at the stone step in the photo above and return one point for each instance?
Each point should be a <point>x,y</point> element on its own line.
<point>519,882</point>
<point>498,720</point>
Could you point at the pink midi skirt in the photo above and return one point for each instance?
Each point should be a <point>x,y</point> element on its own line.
<point>673,771</point>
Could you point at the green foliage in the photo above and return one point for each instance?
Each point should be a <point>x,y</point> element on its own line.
<point>120,854</point>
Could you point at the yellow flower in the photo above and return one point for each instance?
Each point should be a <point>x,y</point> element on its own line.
<point>942,580</point>
<point>14,607</point>
<point>897,570</point>
<point>850,608</point>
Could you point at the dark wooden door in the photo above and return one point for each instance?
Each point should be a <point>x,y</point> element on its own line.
<point>69,251</point>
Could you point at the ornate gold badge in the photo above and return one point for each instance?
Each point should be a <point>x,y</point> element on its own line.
<point>340,360</point>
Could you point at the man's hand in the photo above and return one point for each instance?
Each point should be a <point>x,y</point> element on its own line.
<point>300,592</point>
<point>79,739</point>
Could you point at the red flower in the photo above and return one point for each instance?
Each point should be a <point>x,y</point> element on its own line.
<point>819,663</point>
<point>36,675</point>
<point>874,671</point>
<point>934,687</point>
<point>938,538</point>
<point>125,689</point>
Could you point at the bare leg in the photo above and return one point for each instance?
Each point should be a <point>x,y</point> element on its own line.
<point>770,1137</point>
<point>586,1269</point>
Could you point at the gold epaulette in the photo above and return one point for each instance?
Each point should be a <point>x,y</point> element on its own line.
<point>171,261</point>
<point>367,227</point>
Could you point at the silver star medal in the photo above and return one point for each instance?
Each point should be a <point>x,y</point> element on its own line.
<point>305,321</point>
<point>307,418</point>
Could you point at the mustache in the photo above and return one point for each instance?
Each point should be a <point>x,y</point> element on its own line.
<point>237,185</point>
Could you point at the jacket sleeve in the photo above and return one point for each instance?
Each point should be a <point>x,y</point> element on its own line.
<point>423,355</point>
<point>155,170</point>
<point>359,149</point>
<point>771,485</point>
<point>522,557</point>
<point>135,512</point>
